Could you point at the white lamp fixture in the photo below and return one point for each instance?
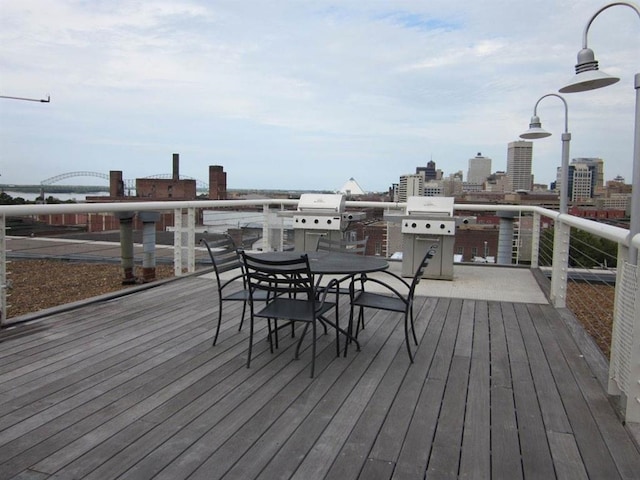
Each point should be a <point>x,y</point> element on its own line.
<point>588,77</point>
<point>536,131</point>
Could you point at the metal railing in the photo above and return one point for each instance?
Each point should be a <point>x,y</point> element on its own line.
<point>624,317</point>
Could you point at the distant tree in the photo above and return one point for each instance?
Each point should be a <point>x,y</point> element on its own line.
<point>6,199</point>
<point>585,250</point>
<point>590,251</point>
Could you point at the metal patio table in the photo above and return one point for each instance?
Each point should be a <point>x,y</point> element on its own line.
<point>334,263</point>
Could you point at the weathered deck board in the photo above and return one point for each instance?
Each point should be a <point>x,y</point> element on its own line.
<point>132,388</point>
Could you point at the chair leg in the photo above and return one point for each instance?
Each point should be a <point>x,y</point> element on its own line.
<point>250,342</point>
<point>244,309</point>
<point>360,321</point>
<point>360,325</point>
<point>413,328</point>
<point>313,350</point>
<point>349,330</point>
<point>270,332</point>
<point>337,328</point>
<point>304,332</point>
<point>275,332</point>
<point>215,338</point>
<point>406,335</point>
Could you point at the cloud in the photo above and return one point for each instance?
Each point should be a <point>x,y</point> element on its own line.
<point>271,90</point>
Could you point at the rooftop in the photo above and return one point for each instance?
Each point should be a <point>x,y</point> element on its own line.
<point>130,387</point>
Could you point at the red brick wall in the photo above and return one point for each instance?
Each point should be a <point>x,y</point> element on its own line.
<point>159,189</point>
<point>469,238</point>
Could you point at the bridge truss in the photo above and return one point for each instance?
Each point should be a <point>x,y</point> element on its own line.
<point>129,184</point>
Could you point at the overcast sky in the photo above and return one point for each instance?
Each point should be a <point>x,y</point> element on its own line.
<point>305,94</point>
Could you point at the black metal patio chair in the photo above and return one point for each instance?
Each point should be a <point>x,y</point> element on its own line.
<point>225,258</point>
<point>290,289</point>
<point>392,299</point>
<point>346,246</point>
<point>357,247</point>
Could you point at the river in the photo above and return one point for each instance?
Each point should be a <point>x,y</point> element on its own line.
<point>78,197</point>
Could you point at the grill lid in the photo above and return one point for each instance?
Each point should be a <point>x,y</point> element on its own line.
<point>321,203</point>
<point>430,206</point>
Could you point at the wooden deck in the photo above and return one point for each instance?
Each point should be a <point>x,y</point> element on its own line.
<point>132,388</point>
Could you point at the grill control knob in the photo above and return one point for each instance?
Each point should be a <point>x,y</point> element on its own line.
<point>304,220</point>
<point>329,222</point>
<point>442,226</point>
<point>413,225</point>
<point>428,225</point>
<point>316,221</point>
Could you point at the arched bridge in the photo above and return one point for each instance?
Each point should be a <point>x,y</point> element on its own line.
<point>128,183</point>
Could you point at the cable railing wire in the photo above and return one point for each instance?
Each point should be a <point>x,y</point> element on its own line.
<point>590,287</point>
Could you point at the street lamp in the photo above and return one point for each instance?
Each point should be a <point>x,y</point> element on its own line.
<point>536,131</point>
<point>588,77</point>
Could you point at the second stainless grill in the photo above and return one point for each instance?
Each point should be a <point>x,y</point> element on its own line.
<point>428,221</point>
<point>318,215</point>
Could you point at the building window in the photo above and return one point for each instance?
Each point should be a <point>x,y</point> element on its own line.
<point>474,251</point>
<point>460,251</point>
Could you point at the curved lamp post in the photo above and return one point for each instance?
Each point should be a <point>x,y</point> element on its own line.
<point>588,77</point>
<point>536,131</point>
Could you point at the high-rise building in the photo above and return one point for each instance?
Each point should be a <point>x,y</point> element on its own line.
<point>519,156</point>
<point>429,172</point>
<point>586,178</point>
<point>434,188</point>
<point>497,182</point>
<point>410,186</point>
<point>580,182</point>
<point>479,169</point>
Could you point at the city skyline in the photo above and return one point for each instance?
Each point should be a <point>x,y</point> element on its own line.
<point>304,95</point>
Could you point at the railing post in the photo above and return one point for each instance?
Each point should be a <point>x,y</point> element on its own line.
<point>149,220</point>
<point>191,239</point>
<point>559,272</point>
<point>3,270</point>
<point>505,238</point>
<point>177,242</point>
<point>633,396</point>
<point>126,247</point>
<point>266,237</point>
<point>624,364</point>
<point>535,240</point>
<point>618,339</point>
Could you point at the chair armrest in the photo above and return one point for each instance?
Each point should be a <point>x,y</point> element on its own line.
<point>229,281</point>
<point>363,279</point>
<point>324,290</point>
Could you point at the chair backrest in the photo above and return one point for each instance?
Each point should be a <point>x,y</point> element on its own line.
<point>431,251</point>
<point>277,277</point>
<point>224,255</point>
<point>346,246</point>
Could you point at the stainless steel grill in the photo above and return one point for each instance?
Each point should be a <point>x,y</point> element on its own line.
<point>429,215</point>
<point>428,221</point>
<point>320,212</point>
<point>318,215</point>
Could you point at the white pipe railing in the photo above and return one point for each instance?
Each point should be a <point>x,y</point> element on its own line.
<point>184,256</point>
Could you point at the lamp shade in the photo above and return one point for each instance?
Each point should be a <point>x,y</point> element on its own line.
<point>588,77</point>
<point>535,130</point>
<point>589,80</point>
